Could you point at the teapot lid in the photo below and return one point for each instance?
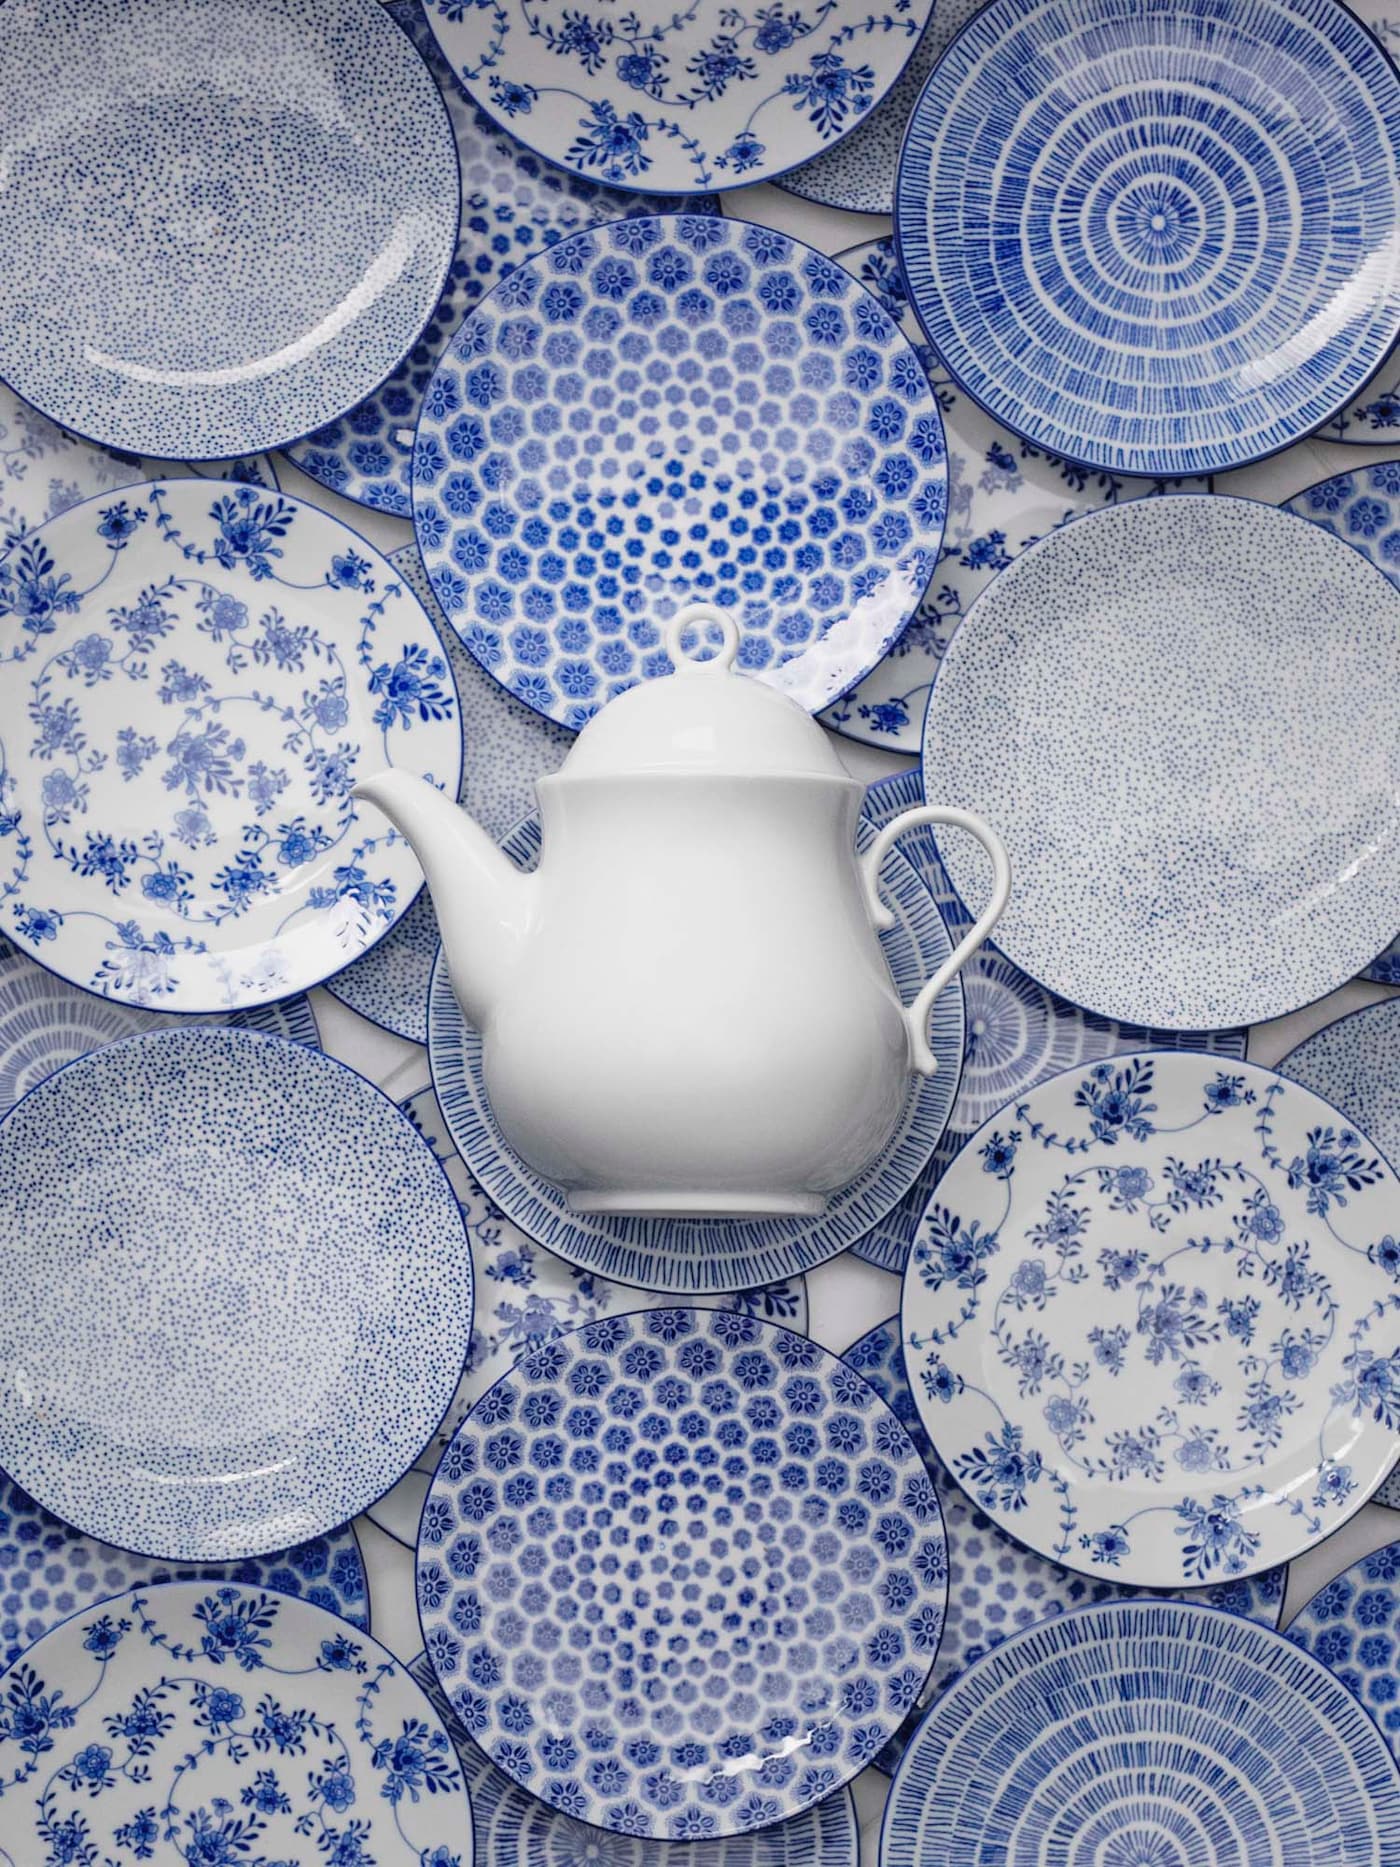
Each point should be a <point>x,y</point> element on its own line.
<point>709,719</point>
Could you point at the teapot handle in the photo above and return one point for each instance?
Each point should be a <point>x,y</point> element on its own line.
<point>917,1014</point>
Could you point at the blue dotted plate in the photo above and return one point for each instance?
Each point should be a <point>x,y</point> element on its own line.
<point>1352,1625</point>
<point>236,1293</point>
<point>1120,223</point>
<point>1145,1734</point>
<point>682,1574</point>
<point>670,408</point>
<point>195,270</point>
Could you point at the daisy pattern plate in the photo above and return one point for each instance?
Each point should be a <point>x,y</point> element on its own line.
<point>195,676</point>
<point>1352,1625</point>
<point>1118,223</point>
<point>668,408</point>
<point>1017,1032</point>
<point>1386,969</point>
<point>1152,1320</point>
<point>1145,1734</point>
<point>505,747</point>
<point>681,1574</point>
<point>694,1256</point>
<point>712,96</point>
<point>195,1724</point>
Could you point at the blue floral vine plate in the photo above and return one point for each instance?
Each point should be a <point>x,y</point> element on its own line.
<point>512,204</point>
<point>1352,1625</point>
<point>505,747</point>
<point>678,100</point>
<point>681,1574</point>
<point>696,1256</point>
<point>1119,223</point>
<point>673,407</point>
<point>1152,1320</point>
<point>195,675</point>
<point>195,271</point>
<point>220,1725</point>
<point>1145,1734</point>
<point>236,1294</point>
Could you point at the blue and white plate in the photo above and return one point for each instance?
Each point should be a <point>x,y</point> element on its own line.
<point>1003,495</point>
<point>680,100</point>
<point>195,271</point>
<point>673,407</point>
<point>194,677</point>
<point>1017,1032</point>
<point>45,1023</point>
<point>1152,1320</point>
<point>236,1294</point>
<point>526,1297</point>
<point>1180,716</point>
<point>223,1726</point>
<point>1352,1625</point>
<point>681,1574</point>
<point>1120,224</point>
<point>1386,969</point>
<point>48,1571</point>
<point>505,747</point>
<point>512,205</point>
<point>697,1256</point>
<point>1145,1734</point>
<point>996,1586</point>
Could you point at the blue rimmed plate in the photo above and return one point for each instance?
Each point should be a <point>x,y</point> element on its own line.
<point>1152,1320</point>
<point>236,1295</point>
<point>667,408</point>
<point>678,100</point>
<point>1352,1625</point>
<point>199,271</point>
<point>505,747</point>
<point>195,676</point>
<point>1120,227</point>
<point>512,205</point>
<point>682,1574</point>
<point>1017,1032</point>
<point>1145,1734</point>
<point>684,1256</point>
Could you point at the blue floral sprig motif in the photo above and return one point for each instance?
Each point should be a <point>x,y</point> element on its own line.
<point>1333,1167</point>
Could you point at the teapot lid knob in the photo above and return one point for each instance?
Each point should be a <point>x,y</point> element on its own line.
<point>701,617</point>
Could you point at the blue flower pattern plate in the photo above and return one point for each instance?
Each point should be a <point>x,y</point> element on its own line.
<point>682,1574</point>
<point>1352,1625</point>
<point>1152,1320</point>
<point>194,678</point>
<point>681,100</point>
<point>667,408</point>
<point>223,1726</point>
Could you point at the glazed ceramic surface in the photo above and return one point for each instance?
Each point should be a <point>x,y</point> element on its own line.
<point>1191,755</point>
<point>512,204</point>
<point>1145,1734</point>
<point>1386,969</point>
<point>196,272</point>
<point>1003,495</point>
<point>1152,1319</point>
<point>1352,1625</point>
<point>525,1298</point>
<point>681,1573</point>
<point>194,676</point>
<point>671,408</point>
<point>505,747</point>
<point>203,1724</point>
<point>48,1570</point>
<point>236,1295</point>
<point>714,96</point>
<point>696,1255</point>
<point>1119,229</point>
<point>1016,1033</point>
<point>996,1586</point>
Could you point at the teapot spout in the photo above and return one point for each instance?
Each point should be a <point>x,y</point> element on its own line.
<point>482,900</point>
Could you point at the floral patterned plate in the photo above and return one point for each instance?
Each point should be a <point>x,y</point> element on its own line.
<point>672,407</point>
<point>195,271</point>
<point>1352,1625</point>
<point>223,1726</point>
<point>1386,969</point>
<point>681,1574</point>
<point>194,676</point>
<point>235,1298</point>
<point>1152,1320</point>
<point>683,100</point>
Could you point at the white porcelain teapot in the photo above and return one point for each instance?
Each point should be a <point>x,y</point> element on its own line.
<point>685,1010</point>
